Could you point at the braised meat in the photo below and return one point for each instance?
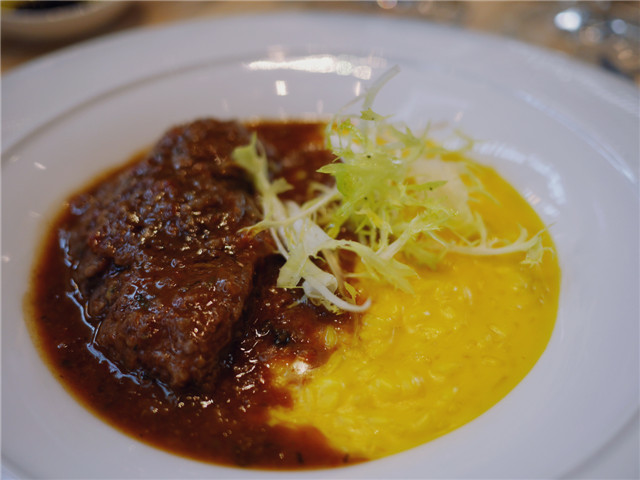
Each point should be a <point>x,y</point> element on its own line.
<point>159,256</point>
<point>155,307</point>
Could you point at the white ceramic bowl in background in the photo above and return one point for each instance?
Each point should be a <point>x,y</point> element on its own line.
<point>564,134</point>
<point>61,23</point>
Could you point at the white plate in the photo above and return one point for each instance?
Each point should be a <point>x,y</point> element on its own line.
<point>565,134</point>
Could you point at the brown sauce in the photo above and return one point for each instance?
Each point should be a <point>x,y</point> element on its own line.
<point>218,414</point>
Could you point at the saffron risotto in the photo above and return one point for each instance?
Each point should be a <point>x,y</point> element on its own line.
<point>421,364</point>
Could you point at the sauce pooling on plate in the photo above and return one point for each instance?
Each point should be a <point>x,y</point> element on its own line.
<point>158,308</point>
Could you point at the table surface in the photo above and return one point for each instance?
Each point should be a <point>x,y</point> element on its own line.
<point>529,21</point>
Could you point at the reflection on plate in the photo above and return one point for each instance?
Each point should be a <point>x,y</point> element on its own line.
<point>565,135</point>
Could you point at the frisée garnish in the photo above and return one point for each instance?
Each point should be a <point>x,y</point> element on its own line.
<point>404,197</point>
